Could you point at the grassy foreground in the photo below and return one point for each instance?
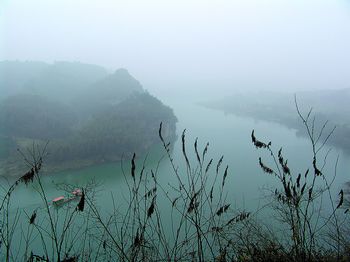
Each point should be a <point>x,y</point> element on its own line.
<point>199,224</point>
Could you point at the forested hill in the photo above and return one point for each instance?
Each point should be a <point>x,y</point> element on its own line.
<point>87,115</point>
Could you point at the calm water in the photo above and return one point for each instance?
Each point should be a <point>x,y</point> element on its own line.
<point>227,135</point>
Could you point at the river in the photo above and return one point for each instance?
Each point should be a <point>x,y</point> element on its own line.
<point>228,135</point>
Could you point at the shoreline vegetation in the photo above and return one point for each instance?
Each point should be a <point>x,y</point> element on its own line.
<point>328,106</point>
<point>204,226</point>
<point>190,219</point>
<point>84,114</point>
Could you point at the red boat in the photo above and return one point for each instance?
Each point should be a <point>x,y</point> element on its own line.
<point>77,192</point>
<point>61,199</point>
<point>58,200</point>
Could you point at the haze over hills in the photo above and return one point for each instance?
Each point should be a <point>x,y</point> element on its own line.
<point>58,79</point>
<point>88,115</point>
<point>246,181</point>
<point>331,106</point>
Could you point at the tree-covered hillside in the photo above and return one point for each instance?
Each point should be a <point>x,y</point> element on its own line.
<point>36,117</point>
<point>130,126</point>
<point>107,91</point>
<point>87,115</point>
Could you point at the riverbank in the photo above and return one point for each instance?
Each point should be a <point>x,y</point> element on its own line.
<point>281,108</point>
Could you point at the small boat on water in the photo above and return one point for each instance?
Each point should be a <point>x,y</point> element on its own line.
<point>77,192</point>
<point>58,201</point>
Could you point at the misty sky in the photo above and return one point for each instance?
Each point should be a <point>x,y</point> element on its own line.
<point>295,44</point>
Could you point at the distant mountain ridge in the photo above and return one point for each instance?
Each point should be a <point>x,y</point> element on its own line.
<point>327,105</point>
<point>47,79</point>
